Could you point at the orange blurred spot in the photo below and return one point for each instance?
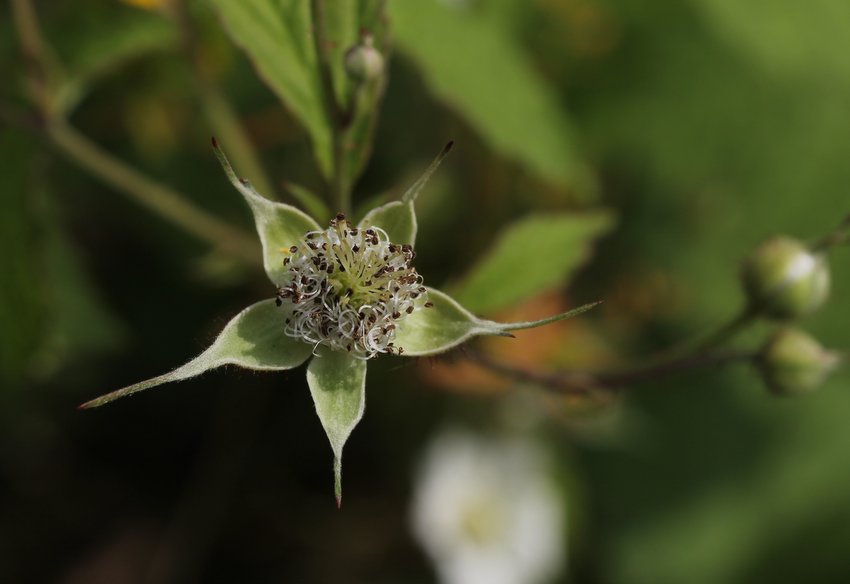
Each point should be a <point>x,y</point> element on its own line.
<point>146,4</point>
<point>558,346</point>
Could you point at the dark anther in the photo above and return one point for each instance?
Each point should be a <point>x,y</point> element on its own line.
<point>429,304</point>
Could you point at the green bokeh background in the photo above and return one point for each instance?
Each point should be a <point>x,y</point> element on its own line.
<point>704,125</point>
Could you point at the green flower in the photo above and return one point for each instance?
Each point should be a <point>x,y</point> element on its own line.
<point>344,295</point>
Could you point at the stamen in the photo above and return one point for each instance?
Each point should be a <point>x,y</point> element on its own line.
<point>360,285</point>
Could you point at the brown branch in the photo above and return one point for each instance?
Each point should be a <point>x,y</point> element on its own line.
<point>585,382</point>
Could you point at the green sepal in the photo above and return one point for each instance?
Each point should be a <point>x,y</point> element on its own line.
<point>413,191</point>
<point>437,329</point>
<point>253,339</point>
<point>447,324</point>
<point>507,327</point>
<point>398,218</point>
<point>279,225</point>
<point>338,385</point>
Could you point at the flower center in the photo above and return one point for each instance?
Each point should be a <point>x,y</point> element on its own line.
<point>348,287</point>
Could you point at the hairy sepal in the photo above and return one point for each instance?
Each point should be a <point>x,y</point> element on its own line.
<point>279,225</point>
<point>253,339</point>
<point>338,385</point>
<point>447,324</point>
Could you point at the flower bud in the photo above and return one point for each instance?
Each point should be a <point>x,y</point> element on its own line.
<point>784,280</point>
<point>792,362</point>
<point>363,62</point>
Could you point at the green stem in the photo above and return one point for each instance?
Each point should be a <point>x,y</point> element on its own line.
<point>340,190</point>
<point>151,194</point>
<point>109,169</point>
<point>42,64</point>
<point>723,334</point>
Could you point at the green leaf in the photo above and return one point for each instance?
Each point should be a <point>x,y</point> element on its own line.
<point>279,225</point>
<point>398,218</point>
<point>806,40</point>
<point>532,255</point>
<point>277,35</point>
<point>253,339</point>
<point>338,385</point>
<point>479,70</point>
<point>447,324</point>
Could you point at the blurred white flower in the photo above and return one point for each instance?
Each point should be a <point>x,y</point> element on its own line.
<point>487,511</point>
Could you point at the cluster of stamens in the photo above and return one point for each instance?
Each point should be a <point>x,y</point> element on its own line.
<point>347,288</point>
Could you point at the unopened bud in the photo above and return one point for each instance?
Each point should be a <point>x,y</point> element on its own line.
<point>363,62</point>
<point>784,279</point>
<point>792,362</point>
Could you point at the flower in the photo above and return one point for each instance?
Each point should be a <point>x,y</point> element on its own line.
<point>344,295</point>
<point>488,511</point>
<point>346,288</point>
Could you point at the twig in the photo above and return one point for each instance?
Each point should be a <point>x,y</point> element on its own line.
<point>584,382</point>
<point>125,179</point>
<point>151,194</point>
<point>838,236</point>
<point>37,55</point>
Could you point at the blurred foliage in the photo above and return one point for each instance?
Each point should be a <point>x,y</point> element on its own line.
<point>479,69</point>
<point>533,254</point>
<point>706,126</point>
